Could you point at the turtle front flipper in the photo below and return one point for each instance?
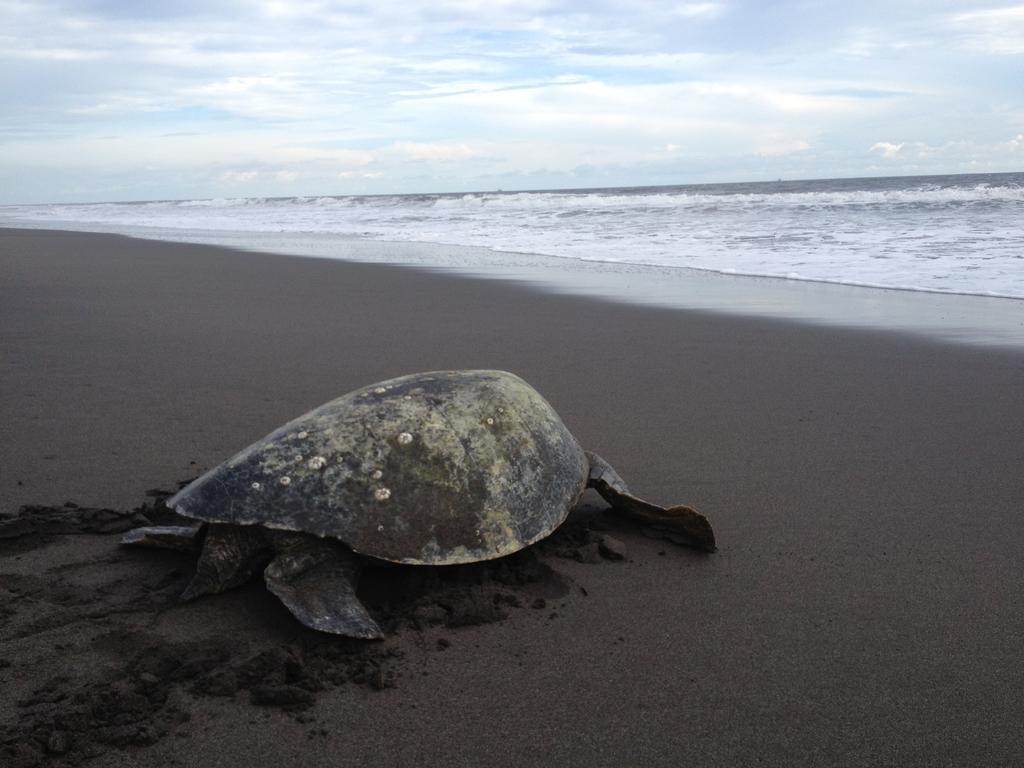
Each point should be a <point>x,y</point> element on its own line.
<point>231,554</point>
<point>315,579</point>
<point>679,524</point>
<point>183,538</point>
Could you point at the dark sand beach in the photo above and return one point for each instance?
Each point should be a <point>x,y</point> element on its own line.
<point>865,607</point>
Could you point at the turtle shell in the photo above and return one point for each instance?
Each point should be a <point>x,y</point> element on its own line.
<point>432,468</point>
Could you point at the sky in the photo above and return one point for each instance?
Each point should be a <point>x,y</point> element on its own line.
<point>106,100</point>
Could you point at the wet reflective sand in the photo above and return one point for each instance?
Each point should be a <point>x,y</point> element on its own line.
<point>977,320</point>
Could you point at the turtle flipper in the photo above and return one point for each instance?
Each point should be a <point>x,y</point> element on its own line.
<point>184,538</point>
<point>230,556</point>
<point>679,524</point>
<point>315,579</point>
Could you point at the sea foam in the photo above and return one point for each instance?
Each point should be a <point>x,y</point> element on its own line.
<point>956,234</point>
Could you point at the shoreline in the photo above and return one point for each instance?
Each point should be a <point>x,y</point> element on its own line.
<point>864,487</point>
<point>961,318</point>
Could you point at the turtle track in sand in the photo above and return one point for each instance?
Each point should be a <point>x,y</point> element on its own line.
<point>133,686</point>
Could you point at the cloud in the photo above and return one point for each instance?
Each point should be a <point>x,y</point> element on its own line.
<point>887,149</point>
<point>678,60</point>
<point>52,54</point>
<point>313,154</point>
<point>437,152</point>
<point>360,174</point>
<point>239,177</point>
<point>698,10</point>
<point>335,96</point>
<point>991,30</point>
<point>890,41</point>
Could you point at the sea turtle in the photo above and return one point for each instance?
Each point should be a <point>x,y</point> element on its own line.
<point>428,469</point>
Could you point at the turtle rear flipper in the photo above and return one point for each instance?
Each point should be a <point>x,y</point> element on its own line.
<point>679,523</point>
<point>315,579</point>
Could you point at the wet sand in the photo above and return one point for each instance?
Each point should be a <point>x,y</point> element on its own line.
<point>866,606</point>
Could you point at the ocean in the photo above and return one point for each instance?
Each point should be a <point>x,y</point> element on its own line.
<point>961,234</point>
